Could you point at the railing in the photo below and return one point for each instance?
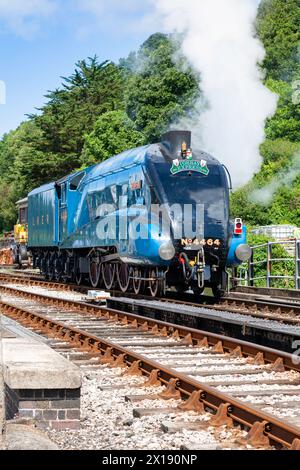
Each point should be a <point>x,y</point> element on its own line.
<point>272,264</point>
<point>6,242</point>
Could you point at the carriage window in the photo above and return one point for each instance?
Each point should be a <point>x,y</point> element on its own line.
<point>153,196</point>
<point>110,196</point>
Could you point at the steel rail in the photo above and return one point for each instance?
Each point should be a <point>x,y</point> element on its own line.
<point>189,335</point>
<point>257,308</point>
<point>279,432</point>
<point>232,304</point>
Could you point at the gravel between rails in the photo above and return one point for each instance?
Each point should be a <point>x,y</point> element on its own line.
<point>56,294</point>
<point>108,423</point>
<point>246,319</point>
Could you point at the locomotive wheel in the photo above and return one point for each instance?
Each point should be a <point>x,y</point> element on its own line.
<point>137,283</point>
<point>95,272</point>
<point>108,275</point>
<point>123,277</point>
<point>157,286</point>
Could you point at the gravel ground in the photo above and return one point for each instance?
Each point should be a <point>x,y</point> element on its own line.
<point>57,294</point>
<point>108,423</point>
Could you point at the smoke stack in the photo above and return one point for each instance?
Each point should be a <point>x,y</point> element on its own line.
<point>175,141</point>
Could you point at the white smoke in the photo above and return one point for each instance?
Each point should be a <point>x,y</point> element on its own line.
<point>264,196</point>
<point>219,41</point>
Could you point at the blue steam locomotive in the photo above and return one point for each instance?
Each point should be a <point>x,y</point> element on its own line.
<point>149,218</point>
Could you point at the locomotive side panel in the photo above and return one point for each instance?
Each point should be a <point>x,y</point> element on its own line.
<point>42,217</point>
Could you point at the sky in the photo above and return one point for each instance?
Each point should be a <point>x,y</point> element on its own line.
<point>42,39</point>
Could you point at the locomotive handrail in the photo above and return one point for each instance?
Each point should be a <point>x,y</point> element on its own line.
<point>229,176</point>
<point>288,274</point>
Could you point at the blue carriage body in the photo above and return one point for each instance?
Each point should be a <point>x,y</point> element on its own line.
<point>63,215</point>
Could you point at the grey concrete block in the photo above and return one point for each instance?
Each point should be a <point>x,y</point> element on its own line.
<point>61,414</point>
<point>30,365</point>
<point>65,404</point>
<point>26,413</point>
<point>73,414</point>
<point>25,438</point>
<point>50,415</point>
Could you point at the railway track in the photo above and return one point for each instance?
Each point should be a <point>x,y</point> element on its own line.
<point>234,380</point>
<point>280,310</point>
<point>278,293</point>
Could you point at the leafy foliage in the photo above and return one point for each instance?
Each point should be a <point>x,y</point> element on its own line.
<point>113,133</point>
<point>284,207</point>
<point>70,113</point>
<point>278,26</point>
<point>285,123</point>
<point>158,91</point>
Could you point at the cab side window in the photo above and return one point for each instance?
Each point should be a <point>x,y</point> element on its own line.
<point>137,191</point>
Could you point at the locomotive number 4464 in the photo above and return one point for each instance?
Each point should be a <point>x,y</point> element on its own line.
<point>204,242</point>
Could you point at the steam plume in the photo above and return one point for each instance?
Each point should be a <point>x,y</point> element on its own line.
<point>264,196</point>
<point>219,41</point>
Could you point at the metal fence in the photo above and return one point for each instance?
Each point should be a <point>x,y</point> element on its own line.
<point>272,264</point>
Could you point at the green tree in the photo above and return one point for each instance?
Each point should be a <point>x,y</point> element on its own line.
<point>159,91</point>
<point>71,111</point>
<point>278,26</point>
<point>285,123</point>
<point>113,133</point>
<point>278,155</point>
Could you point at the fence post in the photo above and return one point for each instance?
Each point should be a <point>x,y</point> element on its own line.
<point>251,269</point>
<point>269,265</point>
<point>297,261</point>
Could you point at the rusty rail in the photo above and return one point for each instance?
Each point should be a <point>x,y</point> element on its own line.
<point>257,308</point>
<point>277,431</point>
<point>189,335</point>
